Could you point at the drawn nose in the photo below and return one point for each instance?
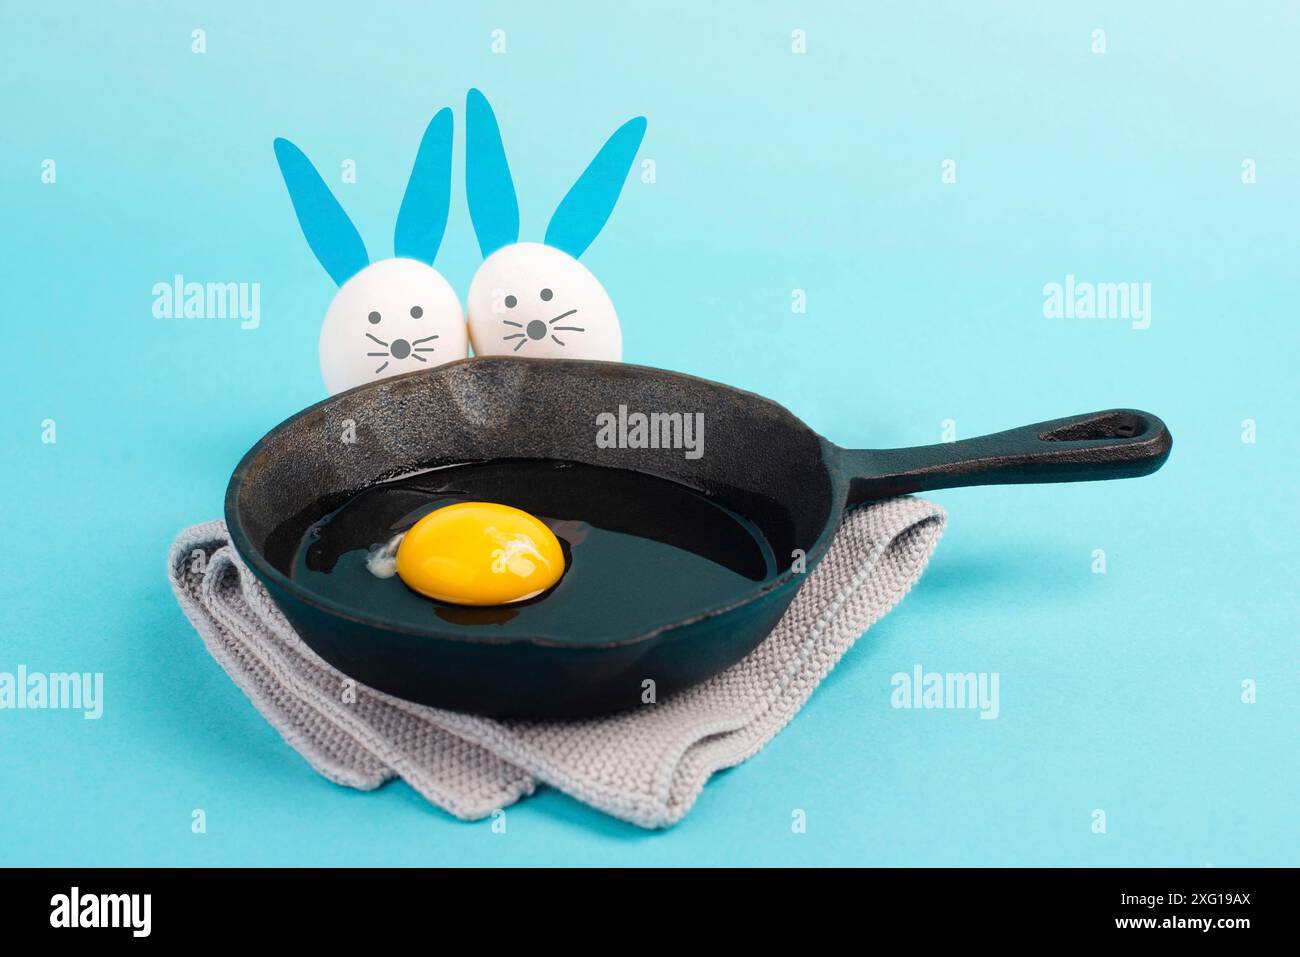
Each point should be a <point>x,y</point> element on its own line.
<point>536,329</point>
<point>400,349</point>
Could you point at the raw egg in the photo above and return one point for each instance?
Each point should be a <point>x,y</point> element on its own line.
<point>479,553</point>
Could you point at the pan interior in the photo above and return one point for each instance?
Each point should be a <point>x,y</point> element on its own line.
<point>743,452</point>
<point>640,552</point>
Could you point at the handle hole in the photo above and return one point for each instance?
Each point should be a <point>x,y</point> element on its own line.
<point>1108,425</point>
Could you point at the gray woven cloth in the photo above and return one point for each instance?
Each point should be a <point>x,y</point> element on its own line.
<point>646,766</point>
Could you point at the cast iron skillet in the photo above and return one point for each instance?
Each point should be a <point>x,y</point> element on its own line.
<point>758,459</point>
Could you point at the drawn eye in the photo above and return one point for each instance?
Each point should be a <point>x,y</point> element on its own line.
<point>511,302</point>
<point>374,318</point>
<point>546,295</point>
<point>416,312</point>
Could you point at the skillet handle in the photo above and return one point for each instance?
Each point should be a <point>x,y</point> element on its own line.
<point>1118,443</point>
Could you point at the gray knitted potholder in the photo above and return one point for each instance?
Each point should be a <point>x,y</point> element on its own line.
<point>646,766</point>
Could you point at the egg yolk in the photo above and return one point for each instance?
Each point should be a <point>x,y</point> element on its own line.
<point>479,553</point>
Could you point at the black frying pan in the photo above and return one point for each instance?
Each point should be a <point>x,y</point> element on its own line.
<point>759,460</point>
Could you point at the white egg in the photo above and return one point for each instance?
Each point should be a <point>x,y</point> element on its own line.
<point>394,316</point>
<point>528,299</point>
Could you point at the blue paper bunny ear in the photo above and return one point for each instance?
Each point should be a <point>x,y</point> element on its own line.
<point>422,220</point>
<point>329,232</point>
<point>586,207</point>
<point>493,208</point>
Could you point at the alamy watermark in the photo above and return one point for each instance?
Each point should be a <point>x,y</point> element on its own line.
<point>974,691</point>
<point>56,690</point>
<point>74,909</point>
<point>179,299</point>
<point>1077,299</point>
<point>651,430</point>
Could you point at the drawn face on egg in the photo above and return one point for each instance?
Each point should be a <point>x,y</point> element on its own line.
<point>394,316</point>
<point>531,299</point>
<point>528,299</point>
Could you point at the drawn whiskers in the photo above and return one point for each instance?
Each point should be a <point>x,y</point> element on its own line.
<point>400,349</point>
<point>537,329</point>
<point>384,353</point>
<point>417,348</point>
<point>554,328</point>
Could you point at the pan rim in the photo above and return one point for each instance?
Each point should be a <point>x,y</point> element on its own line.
<point>264,570</point>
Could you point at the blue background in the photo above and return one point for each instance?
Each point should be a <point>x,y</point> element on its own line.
<point>775,171</point>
